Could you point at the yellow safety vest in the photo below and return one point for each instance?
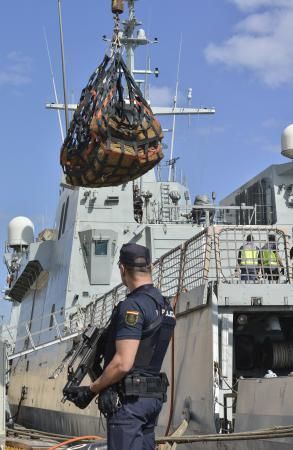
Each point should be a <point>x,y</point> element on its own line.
<point>269,257</point>
<point>249,257</point>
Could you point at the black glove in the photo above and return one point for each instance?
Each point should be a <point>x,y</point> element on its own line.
<point>81,396</point>
<point>109,401</point>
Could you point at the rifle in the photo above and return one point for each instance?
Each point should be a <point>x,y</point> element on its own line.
<point>90,350</point>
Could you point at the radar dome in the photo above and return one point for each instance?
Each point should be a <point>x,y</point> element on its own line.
<point>287,142</point>
<point>20,232</point>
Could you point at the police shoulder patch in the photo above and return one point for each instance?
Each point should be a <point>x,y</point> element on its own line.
<point>131,317</point>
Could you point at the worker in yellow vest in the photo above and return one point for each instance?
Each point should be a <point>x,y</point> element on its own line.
<point>270,260</point>
<point>248,260</point>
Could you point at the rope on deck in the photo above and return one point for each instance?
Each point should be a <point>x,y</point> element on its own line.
<point>267,433</point>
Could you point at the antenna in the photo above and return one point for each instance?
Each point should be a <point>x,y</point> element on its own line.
<point>63,66</point>
<point>146,81</point>
<point>189,100</point>
<point>174,106</point>
<point>172,166</point>
<point>54,84</point>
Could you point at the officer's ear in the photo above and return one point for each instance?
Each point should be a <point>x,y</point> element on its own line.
<point>122,269</point>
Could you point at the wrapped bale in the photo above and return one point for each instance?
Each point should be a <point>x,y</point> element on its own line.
<point>111,140</point>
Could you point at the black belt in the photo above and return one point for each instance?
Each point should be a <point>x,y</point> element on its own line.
<point>145,386</point>
<point>132,386</point>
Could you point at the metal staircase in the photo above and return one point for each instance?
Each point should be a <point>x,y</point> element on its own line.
<point>165,202</point>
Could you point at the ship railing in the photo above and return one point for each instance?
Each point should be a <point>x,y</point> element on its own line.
<point>182,268</point>
<point>211,255</point>
<point>252,254</point>
<point>40,331</point>
<point>179,270</point>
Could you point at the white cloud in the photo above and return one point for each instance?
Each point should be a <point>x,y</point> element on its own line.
<point>15,70</point>
<point>161,96</point>
<point>262,43</point>
<point>250,5</point>
<point>258,23</point>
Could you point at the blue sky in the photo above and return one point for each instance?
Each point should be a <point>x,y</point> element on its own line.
<point>237,55</point>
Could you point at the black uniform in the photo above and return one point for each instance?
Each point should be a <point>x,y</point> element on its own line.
<point>146,316</point>
<point>133,404</point>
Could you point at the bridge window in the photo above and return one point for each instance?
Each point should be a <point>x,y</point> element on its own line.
<point>101,248</point>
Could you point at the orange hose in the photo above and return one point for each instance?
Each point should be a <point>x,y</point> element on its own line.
<point>81,438</point>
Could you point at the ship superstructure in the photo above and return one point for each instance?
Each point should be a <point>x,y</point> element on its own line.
<point>232,352</point>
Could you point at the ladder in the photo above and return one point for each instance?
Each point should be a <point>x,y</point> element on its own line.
<point>165,202</point>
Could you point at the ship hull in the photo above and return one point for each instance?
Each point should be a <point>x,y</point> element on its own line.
<point>58,422</point>
<point>194,354</point>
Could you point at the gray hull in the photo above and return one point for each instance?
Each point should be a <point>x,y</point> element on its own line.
<point>261,403</point>
<point>80,425</point>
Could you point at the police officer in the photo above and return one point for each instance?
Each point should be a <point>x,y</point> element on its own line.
<point>131,388</point>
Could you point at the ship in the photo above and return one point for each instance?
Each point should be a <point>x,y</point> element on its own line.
<point>230,362</point>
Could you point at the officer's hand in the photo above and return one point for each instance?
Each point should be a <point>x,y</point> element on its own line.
<point>81,396</point>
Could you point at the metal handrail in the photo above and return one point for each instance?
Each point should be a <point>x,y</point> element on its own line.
<point>211,255</point>
<point>227,255</point>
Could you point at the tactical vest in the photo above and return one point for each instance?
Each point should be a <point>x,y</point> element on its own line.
<point>154,341</point>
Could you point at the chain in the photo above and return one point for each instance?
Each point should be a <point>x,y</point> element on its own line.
<point>116,44</point>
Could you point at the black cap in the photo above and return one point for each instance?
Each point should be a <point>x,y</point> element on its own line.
<point>135,255</point>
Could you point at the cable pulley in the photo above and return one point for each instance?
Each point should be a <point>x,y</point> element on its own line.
<point>117,6</point>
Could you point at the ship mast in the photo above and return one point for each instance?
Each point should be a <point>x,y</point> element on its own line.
<point>128,38</point>
<point>174,117</point>
<point>63,66</point>
<point>130,43</point>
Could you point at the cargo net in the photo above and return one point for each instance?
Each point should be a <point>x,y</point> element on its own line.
<point>111,139</point>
